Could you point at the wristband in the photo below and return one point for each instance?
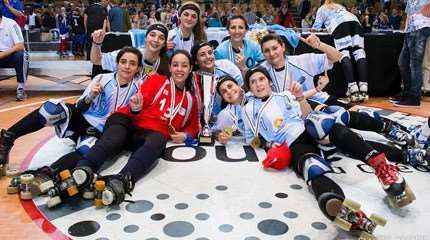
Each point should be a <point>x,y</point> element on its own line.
<point>88,99</point>
<point>97,45</point>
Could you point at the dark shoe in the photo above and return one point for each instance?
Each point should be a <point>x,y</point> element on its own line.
<point>398,97</point>
<point>409,102</point>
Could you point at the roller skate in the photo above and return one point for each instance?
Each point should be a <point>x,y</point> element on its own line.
<point>6,142</point>
<point>68,185</point>
<point>364,96</point>
<point>398,192</point>
<point>111,189</point>
<point>351,218</point>
<point>397,135</point>
<point>422,135</point>
<point>15,182</point>
<point>353,93</point>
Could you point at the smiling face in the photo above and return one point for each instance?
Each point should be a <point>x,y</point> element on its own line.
<point>230,92</point>
<point>260,85</point>
<point>128,66</point>
<point>237,30</point>
<point>155,41</point>
<point>206,58</point>
<point>274,52</point>
<point>189,19</point>
<point>180,67</point>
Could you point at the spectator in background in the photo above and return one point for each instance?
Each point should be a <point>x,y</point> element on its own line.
<point>152,19</point>
<point>143,20</point>
<point>48,20</point>
<point>64,31</point>
<point>307,21</point>
<point>387,6</point>
<point>126,17</point>
<point>12,9</point>
<point>284,17</point>
<point>367,20</point>
<point>214,20</point>
<point>250,16</point>
<point>78,33</point>
<point>116,16</point>
<point>382,22</point>
<point>95,17</point>
<point>268,17</point>
<point>395,19</point>
<point>12,52</point>
<point>303,8</point>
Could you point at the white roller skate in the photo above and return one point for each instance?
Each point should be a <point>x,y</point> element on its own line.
<point>398,192</point>
<point>353,93</point>
<point>364,96</point>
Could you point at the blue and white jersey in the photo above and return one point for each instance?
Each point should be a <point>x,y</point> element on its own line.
<point>251,51</point>
<point>333,17</point>
<point>301,68</point>
<point>230,117</point>
<point>112,97</point>
<point>280,118</point>
<point>180,43</point>
<point>225,67</point>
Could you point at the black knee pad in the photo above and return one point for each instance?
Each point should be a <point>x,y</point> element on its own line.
<point>118,119</point>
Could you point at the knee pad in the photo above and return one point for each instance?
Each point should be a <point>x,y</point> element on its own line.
<point>315,166</point>
<point>359,54</point>
<point>340,114</point>
<point>345,54</point>
<point>54,112</point>
<point>319,124</point>
<point>85,143</point>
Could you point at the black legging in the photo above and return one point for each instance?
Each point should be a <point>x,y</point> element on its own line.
<point>120,133</point>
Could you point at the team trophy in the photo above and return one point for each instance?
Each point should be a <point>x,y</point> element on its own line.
<point>206,136</point>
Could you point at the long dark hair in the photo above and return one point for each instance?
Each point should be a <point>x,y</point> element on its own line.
<point>189,80</point>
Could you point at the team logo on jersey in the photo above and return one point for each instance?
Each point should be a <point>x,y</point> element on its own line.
<point>278,122</point>
<point>165,92</point>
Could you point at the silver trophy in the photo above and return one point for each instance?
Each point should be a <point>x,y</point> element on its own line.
<point>206,136</point>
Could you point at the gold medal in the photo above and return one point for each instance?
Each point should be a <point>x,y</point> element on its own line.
<point>256,143</point>
<point>229,131</point>
<point>172,129</point>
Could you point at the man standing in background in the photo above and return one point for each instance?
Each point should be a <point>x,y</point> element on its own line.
<point>95,17</point>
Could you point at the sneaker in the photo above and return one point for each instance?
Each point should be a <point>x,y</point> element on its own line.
<point>20,94</point>
<point>409,102</point>
<point>397,98</point>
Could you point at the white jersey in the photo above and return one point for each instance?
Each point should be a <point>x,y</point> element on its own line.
<point>112,97</point>
<point>277,120</point>
<point>333,17</point>
<point>230,117</point>
<point>10,33</point>
<point>301,68</point>
<point>180,43</point>
<point>251,51</point>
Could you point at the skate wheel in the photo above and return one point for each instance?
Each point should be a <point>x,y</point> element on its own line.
<point>54,201</point>
<point>80,176</point>
<point>27,178</point>
<point>378,220</point>
<point>353,205</point>
<point>12,190</point>
<point>343,224</point>
<point>12,173</point>
<point>333,206</point>
<point>366,236</point>
<point>100,185</point>
<point>45,186</point>
<point>98,203</point>
<point>65,174</point>
<point>407,199</point>
<point>88,195</point>
<point>26,195</point>
<point>108,197</point>
<point>71,191</point>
